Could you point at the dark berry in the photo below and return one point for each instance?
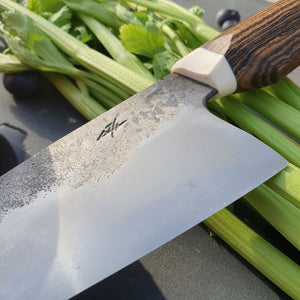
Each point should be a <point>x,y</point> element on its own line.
<point>224,15</point>
<point>23,84</point>
<point>227,24</point>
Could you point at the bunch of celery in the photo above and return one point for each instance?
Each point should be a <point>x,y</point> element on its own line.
<point>98,53</point>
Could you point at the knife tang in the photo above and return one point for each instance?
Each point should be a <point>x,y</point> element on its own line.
<point>264,48</point>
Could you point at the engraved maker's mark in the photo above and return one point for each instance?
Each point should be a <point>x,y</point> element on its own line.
<point>110,128</point>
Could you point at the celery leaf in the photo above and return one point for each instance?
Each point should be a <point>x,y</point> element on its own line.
<point>163,62</point>
<point>145,41</point>
<point>62,18</point>
<point>187,36</point>
<point>32,46</point>
<point>82,34</point>
<point>125,15</point>
<point>22,2</point>
<point>142,16</point>
<point>196,10</point>
<point>110,13</point>
<point>40,6</point>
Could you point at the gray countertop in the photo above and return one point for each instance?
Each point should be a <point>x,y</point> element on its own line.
<point>192,266</point>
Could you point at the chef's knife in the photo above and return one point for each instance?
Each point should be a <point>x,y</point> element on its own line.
<point>145,171</point>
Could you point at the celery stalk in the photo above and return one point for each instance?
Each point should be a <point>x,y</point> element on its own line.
<point>287,91</point>
<point>115,48</point>
<point>287,184</point>
<point>203,32</point>
<point>101,98</point>
<point>106,94</point>
<point>280,213</point>
<point>277,267</point>
<point>89,58</point>
<point>110,13</point>
<point>169,8</point>
<point>86,105</point>
<point>275,110</point>
<point>11,64</point>
<point>181,48</point>
<point>258,127</point>
<point>110,86</point>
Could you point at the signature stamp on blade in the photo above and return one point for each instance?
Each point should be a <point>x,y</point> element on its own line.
<point>110,128</point>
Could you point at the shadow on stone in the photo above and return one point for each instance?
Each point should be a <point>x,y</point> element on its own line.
<point>131,283</point>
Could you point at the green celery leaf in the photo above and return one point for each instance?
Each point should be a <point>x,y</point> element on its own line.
<point>187,36</point>
<point>35,6</point>
<point>152,26</point>
<point>163,63</point>
<point>32,46</point>
<point>149,19</point>
<point>184,32</point>
<point>105,12</point>
<point>40,6</point>
<point>23,2</point>
<point>62,18</point>
<point>149,66</point>
<point>71,24</point>
<point>26,56</point>
<point>196,10</point>
<point>142,16</point>
<point>145,41</point>
<point>82,34</point>
<point>126,16</point>
<point>110,13</point>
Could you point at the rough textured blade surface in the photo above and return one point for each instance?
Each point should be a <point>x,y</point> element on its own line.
<point>119,187</point>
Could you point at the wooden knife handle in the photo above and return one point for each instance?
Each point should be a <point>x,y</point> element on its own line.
<point>264,48</point>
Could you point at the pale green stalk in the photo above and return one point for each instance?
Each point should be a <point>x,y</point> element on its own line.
<point>81,86</point>
<point>169,8</point>
<point>82,102</point>
<point>275,110</point>
<point>89,107</point>
<point>22,60</point>
<point>280,213</point>
<point>203,32</point>
<point>89,58</point>
<point>286,91</point>
<point>115,47</point>
<point>106,102</point>
<point>287,184</point>
<point>277,267</point>
<point>110,13</point>
<point>258,127</point>
<point>107,95</point>
<point>180,46</point>
<point>11,64</point>
<point>41,54</point>
<point>109,86</point>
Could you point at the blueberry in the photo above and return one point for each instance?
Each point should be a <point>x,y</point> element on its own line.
<point>224,15</point>
<point>22,84</point>
<point>227,24</point>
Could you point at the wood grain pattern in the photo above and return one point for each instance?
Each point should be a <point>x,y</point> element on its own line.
<point>264,48</point>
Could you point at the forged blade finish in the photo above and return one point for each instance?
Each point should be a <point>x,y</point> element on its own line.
<point>121,186</point>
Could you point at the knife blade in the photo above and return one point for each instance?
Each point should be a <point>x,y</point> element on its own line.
<point>140,174</point>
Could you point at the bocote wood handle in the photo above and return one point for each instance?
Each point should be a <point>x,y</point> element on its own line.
<point>265,47</point>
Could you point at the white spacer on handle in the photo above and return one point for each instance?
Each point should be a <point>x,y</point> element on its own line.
<point>210,68</point>
<point>295,76</point>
